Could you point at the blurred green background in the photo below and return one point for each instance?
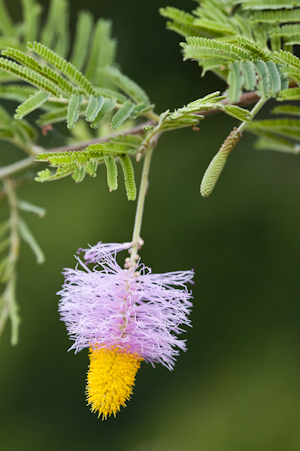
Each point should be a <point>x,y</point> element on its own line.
<point>237,387</point>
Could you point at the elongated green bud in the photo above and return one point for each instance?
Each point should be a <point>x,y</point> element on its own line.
<point>217,164</point>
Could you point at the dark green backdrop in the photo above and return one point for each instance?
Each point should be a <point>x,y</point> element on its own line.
<point>237,387</point>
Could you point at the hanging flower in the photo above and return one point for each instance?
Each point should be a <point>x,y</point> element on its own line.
<point>124,316</point>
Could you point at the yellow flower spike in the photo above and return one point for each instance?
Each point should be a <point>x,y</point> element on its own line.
<point>110,379</point>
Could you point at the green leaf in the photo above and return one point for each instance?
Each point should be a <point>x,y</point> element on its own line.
<point>27,236</point>
<point>6,24</point>
<point>103,49</point>
<point>107,106</point>
<point>30,76</point>
<point>16,92</point>
<point>82,38</point>
<point>204,104</point>
<point>183,30</point>
<point>112,173</point>
<point>74,109</point>
<point>31,104</point>
<point>221,53</point>
<point>121,115</point>
<point>64,66</point>
<point>62,40</point>
<point>237,112</point>
<point>24,131</point>
<point>264,84</point>
<point>45,71</point>
<point>292,110</point>
<point>93,108</point>
<point>185,120</point>
<point>289,128</point>
<point>276,17</point>
<point>27,206</point>
<point>91,168</point>
<point>249,75</point>
<point>128,176</point>
<point>273,142</point>
<point>47,176</point>
<point>290,94</point>
<point>177,15</point>
<point>269,4</point>
<point>56,115</point>
<point>256,51</point>
<point>235,81</point>
<point>106,92</point>
<point>133,141</point>
<point>31,11</point>
<point>129,87</point>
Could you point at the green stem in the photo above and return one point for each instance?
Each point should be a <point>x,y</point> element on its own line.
<point>253,112</point>
<point>141,201</point>
<point>14,168</point>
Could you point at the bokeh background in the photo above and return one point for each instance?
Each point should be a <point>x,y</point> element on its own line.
<point>237,388</point>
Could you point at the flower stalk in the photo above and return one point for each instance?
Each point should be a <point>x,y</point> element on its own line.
<point>136,238</point>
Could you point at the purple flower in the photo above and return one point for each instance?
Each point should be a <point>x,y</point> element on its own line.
<point>123,312</point>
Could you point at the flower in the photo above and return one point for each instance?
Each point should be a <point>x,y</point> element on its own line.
<point>124,316</point>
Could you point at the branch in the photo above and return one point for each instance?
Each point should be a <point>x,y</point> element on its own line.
<point>138,129</point>
<point>246,99</point>
<point>16,167</point>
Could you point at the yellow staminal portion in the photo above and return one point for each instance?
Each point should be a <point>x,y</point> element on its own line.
<point>110,379</point>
